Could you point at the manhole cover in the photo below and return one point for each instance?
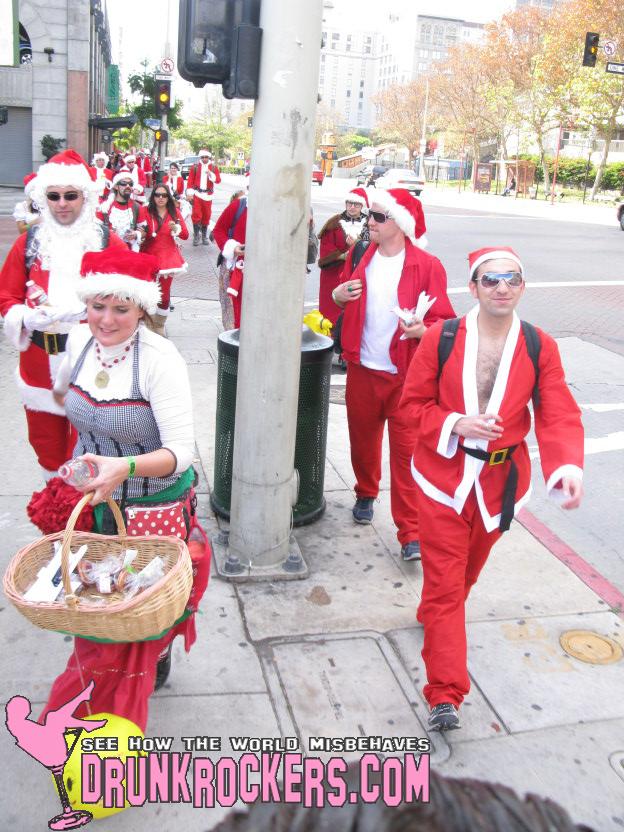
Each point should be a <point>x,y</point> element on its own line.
<point>590,647</point>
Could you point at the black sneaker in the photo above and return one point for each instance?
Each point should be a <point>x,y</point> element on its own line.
<point>411,551</point>
<point>163,668</point>
<point>363,510</point>
<point>443,717</point>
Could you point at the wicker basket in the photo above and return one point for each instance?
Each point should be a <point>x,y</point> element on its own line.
<point>114,617</point>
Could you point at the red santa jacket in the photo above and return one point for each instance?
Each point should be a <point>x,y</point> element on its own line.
<point>333,248</point>
<point>228,244</point>
<point>440,468</point>
<point>421,273</point>
<point>194,178</point>
<point>176,186</point>
<point>161,244</point>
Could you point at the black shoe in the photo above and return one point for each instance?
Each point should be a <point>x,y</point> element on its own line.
<point>411,551</point>
<point>443,717</point>
<point>363,510</point>
<point>163,669</point>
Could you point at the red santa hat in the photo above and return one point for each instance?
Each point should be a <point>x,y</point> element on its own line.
<point>100,155</point>
<point>205,152</point>
<point>358,195</point>
<point>482,255</point>
<point>121,273</point>
<point>66,169</point>
<point>29,183</point>
<point>405,210</point>
<point>122,173</point>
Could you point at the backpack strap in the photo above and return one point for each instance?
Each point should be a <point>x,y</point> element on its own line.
<point>242,204</point>
<point>359,249</point>
<point>534,346</point>
<point>446,342</point>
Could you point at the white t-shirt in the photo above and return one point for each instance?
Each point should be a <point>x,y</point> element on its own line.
<point>382,281</point>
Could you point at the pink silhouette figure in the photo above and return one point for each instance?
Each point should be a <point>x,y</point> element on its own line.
<point>46,743</point>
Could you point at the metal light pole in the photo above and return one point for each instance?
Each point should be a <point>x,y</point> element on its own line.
<point>423,137</point>
<point>263,476</point>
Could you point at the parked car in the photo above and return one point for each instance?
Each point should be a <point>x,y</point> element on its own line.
<point>370,174</point>
<point>186,164</point>
<point>620,215</point>
<point>402,178</point>
<point>317,175</point>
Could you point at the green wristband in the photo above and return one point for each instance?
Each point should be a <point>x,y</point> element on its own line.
<point>131,465</point>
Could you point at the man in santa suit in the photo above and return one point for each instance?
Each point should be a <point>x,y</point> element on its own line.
<point>144,164</point>
<point>229,235</point>
<point>138,177</point>
<point>123,214</point>
<point>103,174</point>
<point>378,346</point>
<point>49,255</point>
<point>337,236</point>
<point>471,461</point>
<point>200,189</point>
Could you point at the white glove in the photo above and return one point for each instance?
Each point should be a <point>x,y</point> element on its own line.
<point>40,317</point>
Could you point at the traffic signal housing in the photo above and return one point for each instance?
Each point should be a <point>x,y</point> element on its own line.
<point>161,136</point>
<point>163,97</point>
<point>592,39</point>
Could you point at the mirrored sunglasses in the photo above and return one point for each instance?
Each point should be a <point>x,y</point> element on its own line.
<point>55,196</point>
<point>489,280</point>
<point>379,216</point>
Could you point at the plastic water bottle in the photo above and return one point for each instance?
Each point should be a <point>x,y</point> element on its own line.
<point>78,472</point>
<point>35,295</point>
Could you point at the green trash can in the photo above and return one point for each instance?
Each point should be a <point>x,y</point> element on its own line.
<point>312,416</point>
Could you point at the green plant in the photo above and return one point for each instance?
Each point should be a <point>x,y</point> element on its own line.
<point>50,146</point>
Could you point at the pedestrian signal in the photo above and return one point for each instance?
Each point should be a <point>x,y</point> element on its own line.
<point>161,135</point>
<point>163,97</point>
<point>590,54</point>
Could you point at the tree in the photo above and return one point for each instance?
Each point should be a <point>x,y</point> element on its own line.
<point>215,135</point>
<point>350,143</point>
<point>143,84</point>
<point>401,110</point>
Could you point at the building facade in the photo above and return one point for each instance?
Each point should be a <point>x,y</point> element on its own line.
<point>61,84</point>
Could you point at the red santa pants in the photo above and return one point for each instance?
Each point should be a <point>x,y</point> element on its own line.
<point>330,278</point>
<point>202,209</point>
<point>454,548</point>
<point>52,438</point>
<point>372,399</point>
<point>164,281</point>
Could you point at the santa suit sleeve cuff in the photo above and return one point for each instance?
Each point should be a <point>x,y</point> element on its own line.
<point>563,471</point>
<point>228,250</point>
<point>63,376</point>
<point>447,444</point>
<point>14,329</point>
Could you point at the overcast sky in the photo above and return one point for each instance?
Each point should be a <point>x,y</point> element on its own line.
<point>142,35</point>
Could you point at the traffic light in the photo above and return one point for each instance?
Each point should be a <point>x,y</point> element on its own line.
<point>161,136</point>
<point>163,97</point>
<point>591,48</point>
<point>219,43</point>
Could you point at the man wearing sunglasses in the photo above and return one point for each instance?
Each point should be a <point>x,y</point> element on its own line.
<point>471,461</point>
<point>378,347</point>
<point>123,214</point>
<point>48,257</point>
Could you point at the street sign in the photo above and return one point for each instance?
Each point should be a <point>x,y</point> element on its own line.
<point>161,76</point>
<point>609,48</point>
<point>152,123</point>
<point>166,65</point>
<point>618,69</point>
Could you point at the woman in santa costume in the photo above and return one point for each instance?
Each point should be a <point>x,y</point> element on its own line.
<point>165,226</point>
<point>49,255</point>
<point>126,391</point>
<point>337,236</point>
<point>103,174</point>
<point>471,462</point>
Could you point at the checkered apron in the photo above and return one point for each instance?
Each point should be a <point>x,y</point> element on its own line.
<point>116,427</point>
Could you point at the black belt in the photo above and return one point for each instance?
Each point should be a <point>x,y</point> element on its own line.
<point>511,484</point>
<point>52,343</point>
<point>203,190</point>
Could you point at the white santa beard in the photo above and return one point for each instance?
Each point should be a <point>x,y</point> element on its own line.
<point>352,229</point>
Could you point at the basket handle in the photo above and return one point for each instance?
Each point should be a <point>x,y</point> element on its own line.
<point>70,599</point>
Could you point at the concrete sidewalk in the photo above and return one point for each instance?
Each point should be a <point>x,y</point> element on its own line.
<point>339,653</point>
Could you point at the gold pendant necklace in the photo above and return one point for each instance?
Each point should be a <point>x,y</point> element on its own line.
<point>102,379</point>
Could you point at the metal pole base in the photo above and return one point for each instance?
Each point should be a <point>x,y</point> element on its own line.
<point>232,568</point>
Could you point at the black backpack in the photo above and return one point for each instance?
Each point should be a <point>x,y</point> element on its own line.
<point>358,252</point>
<point>532,340</point>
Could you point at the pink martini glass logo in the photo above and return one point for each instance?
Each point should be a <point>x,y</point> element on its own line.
<point>46,743</point>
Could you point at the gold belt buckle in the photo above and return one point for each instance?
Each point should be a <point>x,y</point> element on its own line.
<point>499,456</point>
<point>50,343</point>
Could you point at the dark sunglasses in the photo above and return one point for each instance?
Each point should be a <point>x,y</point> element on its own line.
<point>379,216</point>
<point>55,196</point>
<point>160,193</point>
<point>490,280</point>
<point>125,184</point>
